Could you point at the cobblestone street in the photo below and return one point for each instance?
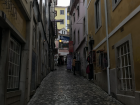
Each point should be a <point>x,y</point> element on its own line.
<point>61,87</point>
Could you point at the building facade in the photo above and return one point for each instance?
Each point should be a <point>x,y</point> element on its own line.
<point>61,13</point>
<point>78,31</point>
<point>24,48</point>
<point>113,25</point>
<point>62,45</point>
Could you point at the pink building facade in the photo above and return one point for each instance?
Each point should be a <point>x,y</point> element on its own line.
<point>78,33</point>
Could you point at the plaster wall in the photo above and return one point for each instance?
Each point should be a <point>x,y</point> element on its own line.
<point>59,16</point>
<point>78,24</point>
<point>20,22</point>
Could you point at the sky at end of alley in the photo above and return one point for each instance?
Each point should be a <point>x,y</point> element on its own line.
<point>63,3</point>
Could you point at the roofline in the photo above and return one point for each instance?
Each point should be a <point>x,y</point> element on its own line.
<point>61,6</point>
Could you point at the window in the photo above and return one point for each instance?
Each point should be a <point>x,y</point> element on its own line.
<point>62,21</point>
<point>74,37</point>
<point>97,15</point>
<point>68,17</point>
<point>83,2</point>
<point>61,12</point>
<point>64,32</point>
<point>0,40</point>
<point>78,10</point>
<point>84,26</point>
<point>124,61</point>
<point>78,37</point>
<point>60,44</point>
<point>55,13</point>
<point>115,3</point>
<point>68,26</point>
<point>14,65</point>
<point>124,67</point>
<point>34,37</point>
<point>74,17</point>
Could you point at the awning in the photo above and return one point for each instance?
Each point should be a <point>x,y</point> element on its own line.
<point>64,38</point>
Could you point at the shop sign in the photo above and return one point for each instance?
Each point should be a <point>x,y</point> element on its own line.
<point>64,38</point>
<point>70,46</point>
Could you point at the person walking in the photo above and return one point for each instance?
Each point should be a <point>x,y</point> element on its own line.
<point>73,65</point>
<point>90,73</point>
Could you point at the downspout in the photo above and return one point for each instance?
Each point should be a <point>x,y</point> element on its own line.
<point>30,50</point>
<point>86,22</point>
<point>108,57</point>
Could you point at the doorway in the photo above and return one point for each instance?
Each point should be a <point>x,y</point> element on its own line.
<point>0,39</point>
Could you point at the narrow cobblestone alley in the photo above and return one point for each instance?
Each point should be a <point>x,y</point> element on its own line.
<point>61,87</point>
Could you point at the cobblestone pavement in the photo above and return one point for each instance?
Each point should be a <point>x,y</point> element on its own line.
<point>61,87</point>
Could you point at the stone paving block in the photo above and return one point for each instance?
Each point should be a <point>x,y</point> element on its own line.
<point>61,87</point>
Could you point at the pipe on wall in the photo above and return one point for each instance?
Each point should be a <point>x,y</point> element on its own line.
<point>108,57</point>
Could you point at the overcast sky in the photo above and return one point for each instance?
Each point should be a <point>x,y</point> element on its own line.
<point>63,2</point>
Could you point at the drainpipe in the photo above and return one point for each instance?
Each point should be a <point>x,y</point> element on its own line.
<point>49,37</point>
<point>86,22</point>
<point>108,58</point>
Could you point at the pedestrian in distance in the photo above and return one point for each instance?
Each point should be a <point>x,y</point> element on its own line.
<point>89,69</point>
<point>73,64</point>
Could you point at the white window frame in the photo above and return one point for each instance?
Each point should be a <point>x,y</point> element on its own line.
<point>99,17</point>
<point>119,74</point>
<point>14,65</point>
<point>62,13</point>
<point>114,5</point>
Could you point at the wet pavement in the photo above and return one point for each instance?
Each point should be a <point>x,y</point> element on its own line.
<point>61,87</point>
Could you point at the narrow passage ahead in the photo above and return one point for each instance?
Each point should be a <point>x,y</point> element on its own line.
<point>61,87</point>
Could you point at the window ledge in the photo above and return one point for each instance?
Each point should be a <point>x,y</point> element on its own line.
<point>97,29</point>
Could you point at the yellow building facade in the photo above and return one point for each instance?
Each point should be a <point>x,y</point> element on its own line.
<point>114,27</point>
<point>61,13</point>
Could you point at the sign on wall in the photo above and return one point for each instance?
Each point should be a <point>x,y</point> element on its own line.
<point>64,38</point>
<point>70,46</point>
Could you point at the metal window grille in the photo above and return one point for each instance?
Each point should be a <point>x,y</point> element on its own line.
<point>14,65</point>
<point>124,67</point>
